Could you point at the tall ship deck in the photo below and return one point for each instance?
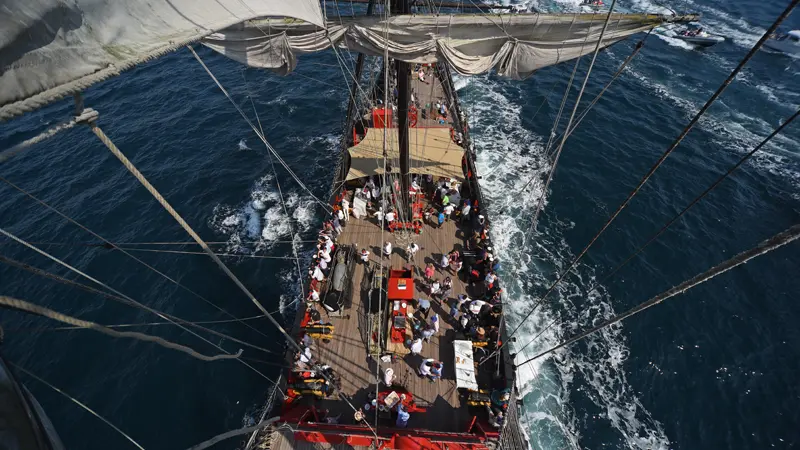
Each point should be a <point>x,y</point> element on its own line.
<point>363,324</point>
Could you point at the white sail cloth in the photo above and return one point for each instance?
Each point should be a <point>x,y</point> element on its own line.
<point>514,45</point>
<point>51,48</point>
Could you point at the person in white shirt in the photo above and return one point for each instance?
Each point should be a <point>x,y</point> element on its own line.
<point>445,263</point>
<point>435,287</point>
<point>325,255</point>
<point>425,367</point>
<point>390,217</point>
<point>379,215</point>
<point>346,209</point>
<point>412,250</point>
<point>465,212</point>
<point>313,295</point>
<point>323,264</point>
<point>364,256</point>
<point>416,346</point>
<point>317,274</point>
<point>387,249</point>
<point>475,306</point>
<point>448,210</point>
<point>340,215</point>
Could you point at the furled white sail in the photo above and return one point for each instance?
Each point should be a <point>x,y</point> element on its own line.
<point>51,48</point>
<point>515,45</point>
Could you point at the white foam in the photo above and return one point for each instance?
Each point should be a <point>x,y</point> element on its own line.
<point>243,145</point>
<point>508,155</point>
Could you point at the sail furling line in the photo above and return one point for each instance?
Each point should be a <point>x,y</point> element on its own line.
<point>766,246</point>
<point>22,305</point>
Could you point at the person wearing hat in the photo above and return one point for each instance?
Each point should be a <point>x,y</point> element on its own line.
<point>436,371</point>
<point>480,335</point>
<point>500,399</point>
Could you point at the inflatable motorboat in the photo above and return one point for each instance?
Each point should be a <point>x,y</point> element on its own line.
<point>788,43</point>
<point>701,39</point>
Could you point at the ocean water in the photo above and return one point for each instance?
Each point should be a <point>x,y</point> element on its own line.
<point>714,368</point>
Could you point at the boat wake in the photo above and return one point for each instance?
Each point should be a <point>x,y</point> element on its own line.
<point>508,155</point>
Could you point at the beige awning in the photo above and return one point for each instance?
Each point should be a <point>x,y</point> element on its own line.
<point>432,153</point>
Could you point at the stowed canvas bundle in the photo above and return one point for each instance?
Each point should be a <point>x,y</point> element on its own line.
<point>50,49</point>
<point>513,45</point>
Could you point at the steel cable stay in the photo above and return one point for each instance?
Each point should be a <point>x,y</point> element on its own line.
<point>663,157</point>
<point>178,218</point>
<point>22,305</point>
<point>558,114</point>
<point>766,246</point>
<point>560,148</point>
<point>594,101</point>
<point>151,243</point>
<point>125,252</point>
<point>104,285</point>
<point>280,194</point>
<point>675,218</point>
<point>77,402</point>
<point>256,131</point>
<point>90,289</point>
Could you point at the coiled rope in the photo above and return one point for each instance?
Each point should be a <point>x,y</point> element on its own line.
<point>777,241</point>
<point>22,305</point>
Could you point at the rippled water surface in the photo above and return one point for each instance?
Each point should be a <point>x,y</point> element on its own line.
<point>714,368</point>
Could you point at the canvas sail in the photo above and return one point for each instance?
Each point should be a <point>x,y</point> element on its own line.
<point>515,45</point>
<point>51,48</point>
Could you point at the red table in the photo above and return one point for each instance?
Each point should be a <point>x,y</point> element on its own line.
<point>401,288</point>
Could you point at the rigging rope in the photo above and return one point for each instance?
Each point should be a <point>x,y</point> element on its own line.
<point>150,188</point>
<point>140,305</point>
<point>233,433</point>
<point>569,122</point>
<point>766,246</point>
<point>280,195</point>
<point>125,252</point>
<point>183,252</point>
<point>195,324</point>
<point>108,245</point>
<point>697,199</point>
<point>131,325</point>
<point>663,157</point>
<point>255,130</point>
<point>77,402</point>
<point>616,75</point>
<point>22,305</point>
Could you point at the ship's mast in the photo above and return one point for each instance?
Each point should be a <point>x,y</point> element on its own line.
<point>403,7</point>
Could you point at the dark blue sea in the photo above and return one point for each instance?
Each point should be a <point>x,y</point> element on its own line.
<point>715,368</point>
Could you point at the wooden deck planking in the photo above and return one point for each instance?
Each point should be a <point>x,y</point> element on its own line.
<point>347,353</point>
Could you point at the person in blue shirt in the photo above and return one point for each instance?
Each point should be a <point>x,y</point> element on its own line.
<point>441,218</point>
<point>402,417</point>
